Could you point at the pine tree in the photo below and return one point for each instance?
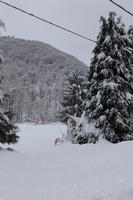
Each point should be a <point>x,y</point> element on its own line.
<point>7,128</point>
<point>74,95</point>
<point>110,90</point>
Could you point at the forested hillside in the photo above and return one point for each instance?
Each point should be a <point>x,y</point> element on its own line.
<point>34,76</point>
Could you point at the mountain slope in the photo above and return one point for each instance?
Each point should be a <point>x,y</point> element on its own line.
<point>34,75</point>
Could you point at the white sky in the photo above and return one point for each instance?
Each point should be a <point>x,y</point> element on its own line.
<point>81,16</point>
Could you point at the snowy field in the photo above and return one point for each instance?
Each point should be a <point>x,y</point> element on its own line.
<point>40,171</point>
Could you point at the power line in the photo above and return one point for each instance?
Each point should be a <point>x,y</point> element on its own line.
<point>46,21</point>
<point>121,7</point>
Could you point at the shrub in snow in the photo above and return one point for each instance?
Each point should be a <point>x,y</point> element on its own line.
<point>71,129</point>
<point>107,112</point>
<point>58,141</point>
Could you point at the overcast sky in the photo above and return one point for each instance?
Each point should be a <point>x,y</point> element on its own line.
<point>81,16</point>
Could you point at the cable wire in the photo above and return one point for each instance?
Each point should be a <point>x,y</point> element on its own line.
<point>46,21</point>
<point>121,7</point>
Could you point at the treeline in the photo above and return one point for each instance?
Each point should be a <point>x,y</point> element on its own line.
<point>34,77</point>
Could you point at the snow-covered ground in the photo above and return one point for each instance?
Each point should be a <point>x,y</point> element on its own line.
<point>38,170</point>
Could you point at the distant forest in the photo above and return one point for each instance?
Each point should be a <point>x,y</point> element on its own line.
<point>34,78</point>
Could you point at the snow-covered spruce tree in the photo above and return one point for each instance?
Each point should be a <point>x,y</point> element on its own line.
<point>7,128</point>
<point>73,103</point>
<point>74,95</point>
<point>110,90</point>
